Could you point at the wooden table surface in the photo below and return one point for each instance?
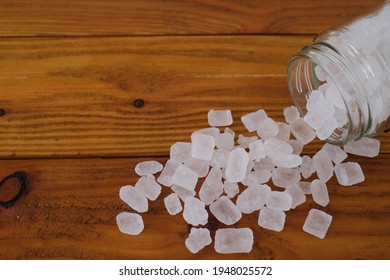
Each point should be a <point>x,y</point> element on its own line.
<point>70,75</point>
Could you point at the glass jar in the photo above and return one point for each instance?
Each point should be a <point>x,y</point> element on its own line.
<point>342,79</point>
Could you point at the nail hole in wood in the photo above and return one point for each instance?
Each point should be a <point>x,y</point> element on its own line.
<point>138,103</point>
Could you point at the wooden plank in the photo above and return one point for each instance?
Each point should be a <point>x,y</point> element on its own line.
<point>74,97</point>
<point>69,212</point>
<point>158,17</point>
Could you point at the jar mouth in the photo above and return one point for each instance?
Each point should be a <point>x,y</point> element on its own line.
<point>303,80</point>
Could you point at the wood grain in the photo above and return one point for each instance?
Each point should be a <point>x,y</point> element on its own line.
<point>74,97</point>
<point>158,17</point>
<point>70,207</point>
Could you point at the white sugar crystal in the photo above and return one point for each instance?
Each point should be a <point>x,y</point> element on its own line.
<point>200,166</point>
<point>327,128</point>
<point>214,176</point>
<point>320,73</point>
<point>284,132</point>
<point>297,146</point>
<point>275,148</point>
<point>349,173</point>
<point>210,191</point>
<point>366,147</point>
<point>130,223</point>
<point>198,239</point>
<point>252,199</point>
<point>211,131</point>
<point>272,219</point>
<point>315,100</point>
<point>236,166</point>
<point>194,212</point>
<point>220,117</point>
<point>291,114</point>
<point>323,165</point>
<point>172,204</point>
<point>319,192</point>
<point>180,151</point>
<point>148,167</point>
<point>306,168</point>
<point>183,193</point>
<point>225,211</point>
<point>335,153</point>
<point>297,194</point>
<point>252,120</point>
<point>202,146</point>
<point>317,223</point>
<point>333,94</point>
<point>279,201</point>
<point>224,141</point>
<point>134,198</point>
<point>233,240</point>
<point>249,168</point>
<point>166,176</point>
<point>257,178</point>
<point>244,142</point>
<point>149,187</point>
<point>305,186</point>
<point>220,158</point>
<point>283,177</point>
<point>268,128</point>
<point>185,177</point>
<point>340,117</point>
<point>302,131</point>
<point>257,150</point>
<point>230,131</point>
<point>289,161</point>
<point>265,163</point>
<point>231,189</point>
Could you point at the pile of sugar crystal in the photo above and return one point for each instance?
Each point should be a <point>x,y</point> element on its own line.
<point>263,173</point>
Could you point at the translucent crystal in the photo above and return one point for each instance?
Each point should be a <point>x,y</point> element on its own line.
<point>257,178</point>
<point>336,154</point>
<point>276,148</point>
<point>323,165</point>
<point>272,219</point>
<point>257,150</point>
<point>148,167</point>
<point>317,223</point>
<point>366,147</point>
<point>297,146</point>
<point>297,195</point>
<point>211,131</point>
<point>224,141</point>
<point>183,193</point>
<point>268,128</point>
<point>230,189</point>
<point>279,201</point>
<point>130,223</point>
<point>225,211</point>
<point>244,141</point>
<point>349,173</point>
<point>166,176</point>
<point>291,114</point>
<point>319,192</point>
<point>198,239</point>
<point>194,212</point>
<point>236,166</point>
<point>134,198</point>
<point>220,117</point>
<point>306,168</point>
<point>284,132</point>
<point>200,166</point>
<point>148,186</point>
<point>202,146</point>
<point>252,199</point>
<point>185,177</point>
<point>233,240</point>
<point>289,161</point>
<point>320,73</point>
<point>252,120</point>
<point>327,128</point>
<point>283,177</point>
<point>305,186</point>
<point>265,163</point>
<point>302,131</point>
<point>210,191</point>
<point>172,204</point>
<point>220,158</point>
<point>180,151</point>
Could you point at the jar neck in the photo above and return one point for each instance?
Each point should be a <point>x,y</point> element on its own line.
<point>343,71</point>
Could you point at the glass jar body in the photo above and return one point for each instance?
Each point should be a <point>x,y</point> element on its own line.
<point>349,67</point>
